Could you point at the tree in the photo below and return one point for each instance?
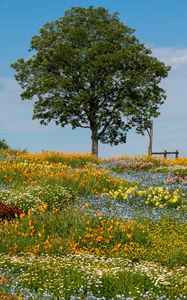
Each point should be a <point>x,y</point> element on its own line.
<point>3,144</point>
<point>89,70</point>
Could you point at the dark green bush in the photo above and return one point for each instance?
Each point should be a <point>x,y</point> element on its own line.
<point>3,144</point>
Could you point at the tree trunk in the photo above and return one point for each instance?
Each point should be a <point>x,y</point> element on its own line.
<point>150,132</point>
<point>150,146</point>
<point>94,143</point>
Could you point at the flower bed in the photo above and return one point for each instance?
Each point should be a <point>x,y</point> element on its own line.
<point>71,228</point>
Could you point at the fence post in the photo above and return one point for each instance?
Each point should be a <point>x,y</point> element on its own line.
<point>165,153</point>
<point>176,154</point>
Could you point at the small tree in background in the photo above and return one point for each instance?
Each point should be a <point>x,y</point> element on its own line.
<point>3,144</point>
<point>89,70</point>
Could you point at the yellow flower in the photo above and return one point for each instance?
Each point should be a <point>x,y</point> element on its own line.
<point>116,247</point>
<point>123,227</point>
<point>22,216</point>
<point>129,235</point>
<point>100,214</point>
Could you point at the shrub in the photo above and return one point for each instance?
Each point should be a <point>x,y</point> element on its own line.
<point>3,144</point>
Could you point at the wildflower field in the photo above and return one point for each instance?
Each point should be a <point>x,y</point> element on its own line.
<point>73,226</point>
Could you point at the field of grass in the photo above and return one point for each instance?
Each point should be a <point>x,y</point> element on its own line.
<point>73,226</point>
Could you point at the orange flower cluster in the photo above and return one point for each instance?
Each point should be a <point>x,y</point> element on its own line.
<point>30,170</point>
<point>105,237</point>
<point>8,297</point>
<point>99,235</point>
<point>181,161</point>
<point>89,179</point>
<point>67,158</point>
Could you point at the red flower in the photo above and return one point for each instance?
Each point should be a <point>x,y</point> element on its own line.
<point>9,212</point>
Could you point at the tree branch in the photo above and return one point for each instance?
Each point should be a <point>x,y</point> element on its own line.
<point>107,123</point>
<point>82,126</point>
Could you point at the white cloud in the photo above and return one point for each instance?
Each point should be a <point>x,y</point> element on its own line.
<point>179,60</point>
<point>175,57</point>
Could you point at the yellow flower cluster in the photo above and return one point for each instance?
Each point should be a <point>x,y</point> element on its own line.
<point>160,197</point>
<point>123,193</point>
<point>181,161</point>
<point>155,196</point>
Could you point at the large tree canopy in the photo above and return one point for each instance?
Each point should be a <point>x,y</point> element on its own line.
<point>89,70</point>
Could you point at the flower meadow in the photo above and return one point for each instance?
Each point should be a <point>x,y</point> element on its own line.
<point>73,226</point>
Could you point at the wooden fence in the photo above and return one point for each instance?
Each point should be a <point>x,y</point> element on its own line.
<point>165,153</point>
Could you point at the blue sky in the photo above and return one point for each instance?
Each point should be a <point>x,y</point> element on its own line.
<point>159,24</point>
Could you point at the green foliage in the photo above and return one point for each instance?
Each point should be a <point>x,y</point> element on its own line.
<point>83,277</point>
<point>172,250</point>
<point>125,282</point>
<point>78,162</point>
<point>3,144</point>
<point>89,70</point>
<point>107,275</point>
<point>74,230</point>
<point>55,196</point>
<point>64,248</point>
<point>181,172</point>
